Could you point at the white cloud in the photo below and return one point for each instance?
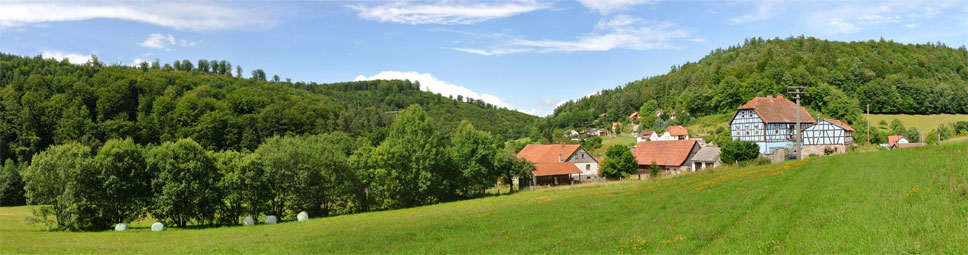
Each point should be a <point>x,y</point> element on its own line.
<point>445,12</point>
<point>620,32</point>
<point>165,42</point>
<point>71,57</point>
<point>841,26</point>
<point>530,112</point>
<point>138,61</point>
<point>430,83</point>
<point>178,15</point>
<point>764,10</point>
<point>608,6</point>
<point>912,25</point>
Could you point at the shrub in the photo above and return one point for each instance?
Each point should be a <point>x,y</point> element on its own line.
<point>124,179</point>
<point>736,151</point>
<point>63,181</point>
<point>11,185</point>
<point>185,188</point>
<point>619,162</point>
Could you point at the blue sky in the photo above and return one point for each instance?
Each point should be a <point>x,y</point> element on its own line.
<point>528,55</point>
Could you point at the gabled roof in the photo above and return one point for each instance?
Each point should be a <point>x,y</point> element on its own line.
<point>677,130</point>
<point>777,110</point>
<point>634,115</point>
<point>840,124</point>
<point>663,153</point>
<point>648,133</point>
<point>892,140</point>
<point>547,153</point>
<point>555,169</point>
<point>707,154</point>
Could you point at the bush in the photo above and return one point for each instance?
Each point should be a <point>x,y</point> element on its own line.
<point>63,181</point>
<point>303,174</point>
<point>11,185</point>
<point>619,163</point>
<point>186,186</point>
<point>124,179</point>
<point>738,151</point>
<point>242,186</point>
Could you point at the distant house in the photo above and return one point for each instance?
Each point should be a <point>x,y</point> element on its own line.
<point>647,136</point>
<point>893,140</point>
<point>706,157</point>
<point>634,117</point>
<point>827,135</point>
<point>670,156</point>
<point>769,122</point>
<point>674,133</point>
<point>548,158</point>
<point>899,141</point>
<point>570,133</point>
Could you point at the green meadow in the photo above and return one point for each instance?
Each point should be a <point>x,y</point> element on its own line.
<point>901,201</point>
<point>925,123</point>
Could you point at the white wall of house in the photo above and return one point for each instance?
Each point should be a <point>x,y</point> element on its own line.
<point>586,163</point>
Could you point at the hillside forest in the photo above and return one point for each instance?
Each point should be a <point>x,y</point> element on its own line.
<point>840,79</point>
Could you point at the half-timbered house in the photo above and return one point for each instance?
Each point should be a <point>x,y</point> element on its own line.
<point>769,122</point>
<point>827,136</point>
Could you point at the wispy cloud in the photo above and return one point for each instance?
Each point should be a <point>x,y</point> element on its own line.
<point>165,42</point>
<point>74,58</point>
<point>430,83</point>
<point>445,12</point>
<point>620,32</point>
<point>178,15</point>
<point>609,6</point>
<point>764,10</point>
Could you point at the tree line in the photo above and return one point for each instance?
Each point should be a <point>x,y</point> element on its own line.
<point>45,102</point>
<point>841,78</point>
<point>181,183</point>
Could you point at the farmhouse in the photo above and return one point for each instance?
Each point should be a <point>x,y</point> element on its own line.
<point>827,136</point>
<point>706,157</point>
<point>670,156</point>
<point>634,117</point>
<point>673,133</point>
<point>769,122</point>
<point>899,141</point>
<point>557,164</point>
<point>647,136</point>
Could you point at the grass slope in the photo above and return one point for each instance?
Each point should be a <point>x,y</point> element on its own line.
<point>900,201</point>
<point>925,123</point>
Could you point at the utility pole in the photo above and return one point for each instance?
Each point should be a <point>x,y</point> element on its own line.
<point>868,124</point>
<point>796,91</point>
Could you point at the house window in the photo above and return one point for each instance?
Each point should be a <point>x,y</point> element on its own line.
<point>588,166</point>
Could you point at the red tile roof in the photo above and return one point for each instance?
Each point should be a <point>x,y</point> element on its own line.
<point>840,124</point>
<point>547,153</point>
<point>664,153</point>
<point>647,133</point>
<point>891,140</point>
<point>555,169</point>
<point>677,130</point>
<point>777,110</point>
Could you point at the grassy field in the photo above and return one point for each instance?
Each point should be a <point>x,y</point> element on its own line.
<point>900,201</point>
<point>612,141</point>
<point>925,123</point>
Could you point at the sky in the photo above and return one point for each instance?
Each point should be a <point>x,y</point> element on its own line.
<point>528,55</point>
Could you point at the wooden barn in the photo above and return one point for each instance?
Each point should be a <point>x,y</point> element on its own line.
<point>769,122</point>
<point>827,136</point>
<point>548,159</point>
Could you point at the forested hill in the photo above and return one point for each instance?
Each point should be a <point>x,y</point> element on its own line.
<point>842,77</point>
<point>46,102</point>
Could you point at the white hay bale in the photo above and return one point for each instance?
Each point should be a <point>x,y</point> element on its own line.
<point>271,219</point>
<point>120,227</point>
<point>302,216</point>
<point>248,221</point>
<point>157,227</point>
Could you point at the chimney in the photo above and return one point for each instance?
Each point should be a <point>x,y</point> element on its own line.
<point>779,96</point>
<point>559,157</point>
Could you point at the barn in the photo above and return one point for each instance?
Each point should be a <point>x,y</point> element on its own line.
<point>769,122</point>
